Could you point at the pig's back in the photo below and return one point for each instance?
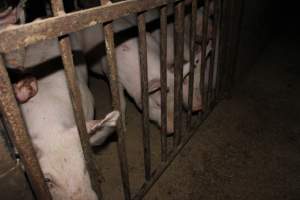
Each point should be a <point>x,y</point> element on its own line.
<point>50,111</point>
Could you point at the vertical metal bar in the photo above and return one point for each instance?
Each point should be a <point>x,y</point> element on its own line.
<point>217,24</point>
<point>19,135</point>
<point>203,55</point>
<point>145,96</point>
<point>229,39</point>
<point>70,72</point>
<point>236,25</point>
<point>224,45</point>
<point>114,85</point>
<point>163,79</point>
<point>178,39</point>
<point>192,63</point>
<point>213,51</point>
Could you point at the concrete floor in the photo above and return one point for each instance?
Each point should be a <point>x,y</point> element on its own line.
<point>249,148</point>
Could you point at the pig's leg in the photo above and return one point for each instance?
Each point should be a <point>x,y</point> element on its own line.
<point>25,89</point>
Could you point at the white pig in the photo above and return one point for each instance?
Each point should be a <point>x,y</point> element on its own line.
<point>50,120</point>
<point>127,57</point>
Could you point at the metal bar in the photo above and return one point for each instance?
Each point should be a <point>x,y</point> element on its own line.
<point>19,135</point>
<point>178,73</point>
<point>229,39</point>
<point>213,53</point>
<point>15,37</point>
<point>145,96</point>
<point>164,165</point>
<point>114,85</point>
<point>224,46</point>
<point>192,63</point>
<point>163,81</point>
<point>221,49</point>
<point>217,23</point>
<point>203,90</point>
<point>236,18</point>
<point>70,72</point>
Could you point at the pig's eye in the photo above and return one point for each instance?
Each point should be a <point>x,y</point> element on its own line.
<point>197,61</point>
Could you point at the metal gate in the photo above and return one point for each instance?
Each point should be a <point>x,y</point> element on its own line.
<point>224,41</point>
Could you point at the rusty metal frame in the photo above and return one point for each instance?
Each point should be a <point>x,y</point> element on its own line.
<point>61,24</point>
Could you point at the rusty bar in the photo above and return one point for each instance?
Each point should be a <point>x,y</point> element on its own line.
<point>178,73</point>
<point>19,135</point>
<point>213,53</point>
<point>15,37</point>
<point>228,55</point>
<point>192,63</point>
<point>224,46</point>
<point>203,67</point>
<point>236,25</point>
<point>145,96</point>
<point>114,85</point>
<point>163,81</point>
<point>217,20</point>
<point>70,72</point>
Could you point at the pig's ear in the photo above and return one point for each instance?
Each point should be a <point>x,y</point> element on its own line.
<point>153,85</point>
<point>101,129</point>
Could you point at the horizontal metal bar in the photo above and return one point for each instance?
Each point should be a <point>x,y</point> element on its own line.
<point>15,37</point>
<point>19,135</point>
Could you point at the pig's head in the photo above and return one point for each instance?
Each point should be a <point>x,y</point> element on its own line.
<point>63,164</point>
<point>155,97</point>
<point>197,99</point>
